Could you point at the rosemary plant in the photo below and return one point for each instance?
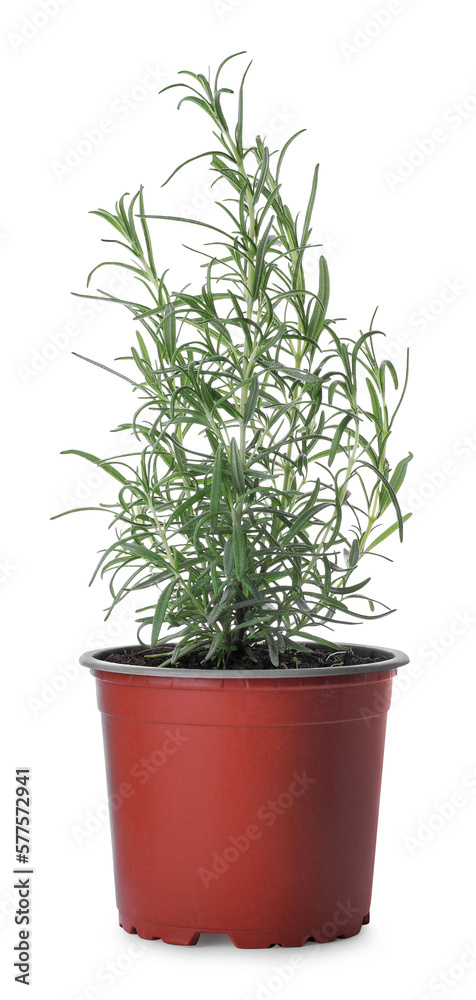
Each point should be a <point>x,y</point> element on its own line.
<point>260,480</point>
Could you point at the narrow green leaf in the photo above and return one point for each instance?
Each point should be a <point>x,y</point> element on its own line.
<point>351,589</point>
<point>145,230</point>
<point>306,229</point>
<point>160,612</point>
<point>396,481</point>
<point>285,149</point>
<point>216,488</point>
<point>252,401</point>
<point>105,367</point>
<point>144,553</point>
<point>338,437</point>
<point>273,650</point>
<point>239,124</point>
<point>318,315</point>
<point>97,461</point>
<point>237,468</point>
<point>388,364</point>
<point>355,352</point>
<point>298,374</point>
<point>260,259</point>
<point>385,534</point>
<point>228,563</point>
<point>239,551</point>
<point>354,553</point>
<point>214,647</point>
<point>391,491</point>
<point>200,102</point>
<point>303,521</point>
<point>262,175</point>
<point>114,263</point>
<point>224,62</point>
<point>143,348</point>
<point>76,510</point>
<point>376,410</point>
<point>216,613</point>
<point>191,222</point>
<point>211,152</point>
<point>170,330</point>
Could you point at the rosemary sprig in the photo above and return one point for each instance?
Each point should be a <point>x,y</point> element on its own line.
<point>252,535</point>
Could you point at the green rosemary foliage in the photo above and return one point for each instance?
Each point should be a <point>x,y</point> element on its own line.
<point>261,475</point>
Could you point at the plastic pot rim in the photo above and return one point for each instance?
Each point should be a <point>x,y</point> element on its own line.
<point>388,659</point>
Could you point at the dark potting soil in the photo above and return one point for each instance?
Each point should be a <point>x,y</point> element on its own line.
<point>291,659</point>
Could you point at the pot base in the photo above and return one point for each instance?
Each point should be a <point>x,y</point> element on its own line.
<point>288,938</point>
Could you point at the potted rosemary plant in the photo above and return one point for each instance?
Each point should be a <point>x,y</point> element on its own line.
<point>247,742</point>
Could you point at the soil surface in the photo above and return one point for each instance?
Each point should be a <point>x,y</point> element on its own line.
<point>291,659</point>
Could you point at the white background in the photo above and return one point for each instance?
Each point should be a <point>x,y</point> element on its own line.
<point>371,95</point>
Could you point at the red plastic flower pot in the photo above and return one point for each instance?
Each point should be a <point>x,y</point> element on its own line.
<point>246,802</point>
